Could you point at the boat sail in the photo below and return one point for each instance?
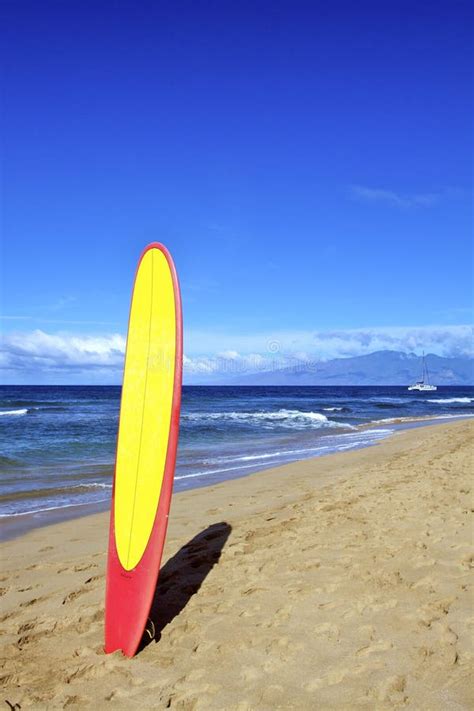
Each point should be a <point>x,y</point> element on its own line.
<point>423,385</point>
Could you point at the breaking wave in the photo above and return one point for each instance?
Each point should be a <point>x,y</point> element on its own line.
<point>295,419</point>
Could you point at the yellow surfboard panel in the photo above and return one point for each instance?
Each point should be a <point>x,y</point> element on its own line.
<point>145,412</point>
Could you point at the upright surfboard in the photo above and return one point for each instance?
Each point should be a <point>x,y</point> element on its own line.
<point>146,449</point>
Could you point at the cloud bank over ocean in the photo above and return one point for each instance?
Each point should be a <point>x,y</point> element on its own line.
<point>38,356</point>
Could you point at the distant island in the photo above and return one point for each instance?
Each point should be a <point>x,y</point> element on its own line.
<point>379,368</point>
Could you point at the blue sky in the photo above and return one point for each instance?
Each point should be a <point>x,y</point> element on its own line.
<point>307,164</point>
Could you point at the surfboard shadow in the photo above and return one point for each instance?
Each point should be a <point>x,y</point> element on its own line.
<point>183,574</point>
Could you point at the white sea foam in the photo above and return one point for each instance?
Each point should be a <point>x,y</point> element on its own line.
<point>391,400</point>
<point>368,434</point>
<point>265,455</point>
<point>52,508</point>
<point>213,471</point>
<point>422,418</point>
<point>339,443</point>
<point>93,485</point>
<point>97,485</point>
<point>332,409</point>
<point>297,419</point>
<point>14,413</point>
<point>359,438</point>
<point>61,504</point>
<point>448,400</point>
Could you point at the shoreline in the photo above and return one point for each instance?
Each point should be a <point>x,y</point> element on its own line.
<point>346,577</point>
<point>17,525</point>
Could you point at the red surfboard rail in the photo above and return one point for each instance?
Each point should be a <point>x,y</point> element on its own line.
<point>129,593</point>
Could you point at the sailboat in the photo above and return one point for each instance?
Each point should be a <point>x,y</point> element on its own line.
<point>423,385</point>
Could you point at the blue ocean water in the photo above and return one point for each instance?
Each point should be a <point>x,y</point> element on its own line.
<point>57,444</point>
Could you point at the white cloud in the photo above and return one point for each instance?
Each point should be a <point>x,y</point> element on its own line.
<point>211,354</point>
<point>442,340</point>
<point>37,350</point>
<point>337,343</point>
<point>284,349</point>
<point>392,198</point>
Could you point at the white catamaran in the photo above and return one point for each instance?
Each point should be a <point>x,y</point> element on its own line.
<point>424,384</point>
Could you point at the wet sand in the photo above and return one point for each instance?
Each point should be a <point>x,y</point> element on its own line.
<point>335,583</point>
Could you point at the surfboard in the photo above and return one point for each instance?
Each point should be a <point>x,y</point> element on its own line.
<point>146,449</point>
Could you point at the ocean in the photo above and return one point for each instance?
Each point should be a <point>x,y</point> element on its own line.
<point>57,443</point>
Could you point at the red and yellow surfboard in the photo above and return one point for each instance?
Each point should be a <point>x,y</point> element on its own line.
<point>146,449</point>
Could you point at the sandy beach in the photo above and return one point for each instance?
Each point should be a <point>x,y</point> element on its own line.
<point>335,583</point>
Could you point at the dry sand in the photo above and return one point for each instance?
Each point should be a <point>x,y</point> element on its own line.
<point>334,583</point>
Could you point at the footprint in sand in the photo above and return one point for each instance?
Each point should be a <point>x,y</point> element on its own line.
<point>393,691</point>
<point>34,631</point>
<point>25,627</point>
<point>86,623</point>
<point>77,593</point>
<point>34,601</point>
<point>468,561</point>
<point>73,595</point>
<point>73,701</point>
<point>374,648</point>
<point>327,630</point>
<point>93,579</point>
<point>84,566</point>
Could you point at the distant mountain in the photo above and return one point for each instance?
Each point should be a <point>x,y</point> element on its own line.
<point>379,368</point>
